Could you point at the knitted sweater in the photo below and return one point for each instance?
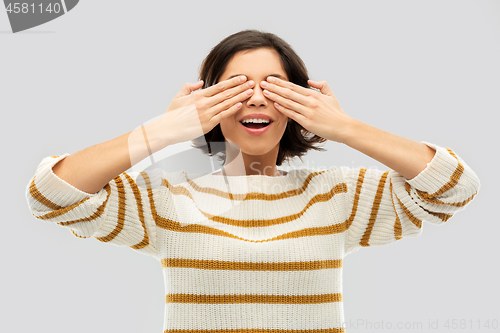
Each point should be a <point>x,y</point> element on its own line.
<point>255,252</point>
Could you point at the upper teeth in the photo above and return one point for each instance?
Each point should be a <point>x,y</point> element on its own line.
<point>255,121</point>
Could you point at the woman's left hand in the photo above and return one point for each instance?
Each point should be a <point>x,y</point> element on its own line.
<point>318,112</point>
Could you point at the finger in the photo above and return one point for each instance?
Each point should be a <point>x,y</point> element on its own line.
<point>322,86</point>
<point>234,95</point>
<point>229,103</point>
<point>188,88</point>
<point>287,94</point>
<point>226,113</point>
<point>287,103</point>
<point>290,85</point>
<point>223,85</point>
<point>290,113</point>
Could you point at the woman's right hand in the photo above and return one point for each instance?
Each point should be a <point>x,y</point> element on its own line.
<point>194,112</point>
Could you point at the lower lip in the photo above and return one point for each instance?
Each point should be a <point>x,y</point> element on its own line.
<point>257,131</point>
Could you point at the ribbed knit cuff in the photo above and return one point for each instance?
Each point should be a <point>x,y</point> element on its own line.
<point>438,171</point>
<point>53,188</point>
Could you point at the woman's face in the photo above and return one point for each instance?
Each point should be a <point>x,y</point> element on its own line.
<point>256,65</point>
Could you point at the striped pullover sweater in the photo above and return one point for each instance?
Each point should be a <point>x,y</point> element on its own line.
<point>255,253</point>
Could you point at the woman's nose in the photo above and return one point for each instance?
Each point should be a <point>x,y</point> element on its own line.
<point>257,97</point>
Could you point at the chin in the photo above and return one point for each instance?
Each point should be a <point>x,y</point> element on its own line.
<point>256,150</point>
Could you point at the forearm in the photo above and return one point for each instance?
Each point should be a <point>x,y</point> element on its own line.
<point>91,168</point>
<point>403,155</point>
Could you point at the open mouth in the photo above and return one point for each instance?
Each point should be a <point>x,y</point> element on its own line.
<point>256,125</point>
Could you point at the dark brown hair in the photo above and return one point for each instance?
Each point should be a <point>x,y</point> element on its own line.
<point>296,140</point>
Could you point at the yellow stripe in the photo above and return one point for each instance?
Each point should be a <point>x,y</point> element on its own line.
<point>359,185</point>
<point>179,189</point>
<point>196,228</point>
<point>398,229</point>
<point>442,216</point>
<point>397,224</point>
<point>99,211</point>
<point>373,216</point>
<point>411,217</point>
<point>426,197</point>
<point>252,266</point>
<point>74,233</point>
<point>322,197</point>
<point>138,199</point>
<point>156,217</point>
<point>60,211</point>
<point>121,212</point>
<point>454,178</point>
<point>245,298</point>
<point>63,210</point>
<point>35,193</point>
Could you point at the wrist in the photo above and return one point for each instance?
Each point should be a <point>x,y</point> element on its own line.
<point>349,130</point>
<point>157,135</point>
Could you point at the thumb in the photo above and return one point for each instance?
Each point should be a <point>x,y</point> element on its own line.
<point>188,88</point>
<point>322,86</point>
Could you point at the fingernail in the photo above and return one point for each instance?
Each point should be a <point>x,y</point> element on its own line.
<point>243,78</point>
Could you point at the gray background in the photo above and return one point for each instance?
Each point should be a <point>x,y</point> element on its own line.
<point>425,70</point>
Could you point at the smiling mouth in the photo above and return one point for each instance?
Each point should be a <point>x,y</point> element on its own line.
<point>257,125</point>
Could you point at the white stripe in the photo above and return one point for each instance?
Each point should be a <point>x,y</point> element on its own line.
<point>253,316</point>
<point>233,250</point>
<point>64,6</point>
<point>221,282</point>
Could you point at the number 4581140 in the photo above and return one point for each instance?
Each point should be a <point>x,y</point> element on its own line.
<point>30,8</point>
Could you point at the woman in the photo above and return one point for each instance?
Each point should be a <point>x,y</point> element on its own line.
<point>266,252</point>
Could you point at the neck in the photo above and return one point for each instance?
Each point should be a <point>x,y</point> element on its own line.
<point>241,164</point>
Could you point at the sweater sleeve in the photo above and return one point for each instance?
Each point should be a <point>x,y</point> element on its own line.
<point>383,207</point>
<point>120,213</point>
